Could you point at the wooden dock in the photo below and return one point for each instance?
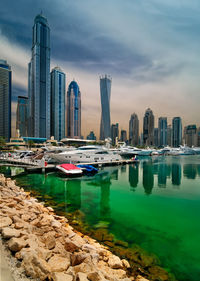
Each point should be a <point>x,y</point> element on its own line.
<point>36,167</point>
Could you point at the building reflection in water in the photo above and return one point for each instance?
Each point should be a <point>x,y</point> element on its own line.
<point>190,171</point>
<point>162,175</point>
<point>176,174</point>
<point>123,169</point>
<point>73,195</point>
<point>133,176</point>
<point>148,177</point>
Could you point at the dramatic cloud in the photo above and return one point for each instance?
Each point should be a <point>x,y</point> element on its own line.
<point>149,47</point>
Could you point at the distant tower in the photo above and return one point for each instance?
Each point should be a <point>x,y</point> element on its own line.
<point>148,127</point>
<point>114,133</point>
<point>123,136</point>
<point>5,100</point>
<point>73,111</point>
<point>57,103</point>
<point>105,89</point>
<point>169,135</point>
<point>156,142</point>
<point>134,130</point>
<point>162,131</point>
<point>22,116</point>
<point>176,131</point>
<point>39,80</point>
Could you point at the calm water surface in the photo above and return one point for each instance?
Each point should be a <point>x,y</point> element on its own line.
<point>155,204</point>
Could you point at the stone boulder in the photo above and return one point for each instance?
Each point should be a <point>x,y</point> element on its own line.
<point>5,221</point>
<point>9,232</point>
<point>36,267</point>
<point>115,262</point>
<point>71,246</point>
<point>16,244</point>
<point>58,263</point>
<point>80,276</point>
<point>78,258</point>
<point>61,276</point>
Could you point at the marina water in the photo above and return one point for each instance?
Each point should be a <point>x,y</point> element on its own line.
<point>155,204</point>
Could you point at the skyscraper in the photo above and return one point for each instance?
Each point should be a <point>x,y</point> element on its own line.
<point>169,135</point>
<point>114,133</point>
<point>176,131</point>
<point>57,103</point>
<point>162,131</point>
<point>190,135</point>
<point>91,136</point>
<point>5,100</point>
<point>39,80</point>
<point>123,135</point>
<point>134,130</point>
<point>105,90</point>
<point>73,111</point>
<point>156,143</point>
<point>22,116</point>
<point>148,127</point>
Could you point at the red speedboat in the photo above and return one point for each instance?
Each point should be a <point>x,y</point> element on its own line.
<point>69,170</point>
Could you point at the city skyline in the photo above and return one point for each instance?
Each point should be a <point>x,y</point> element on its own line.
<point>160,75</point>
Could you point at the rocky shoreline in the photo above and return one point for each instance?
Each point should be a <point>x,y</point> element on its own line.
<point>44,246</point>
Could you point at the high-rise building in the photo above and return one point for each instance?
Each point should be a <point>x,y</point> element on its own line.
<point>169,135</point>
<point>57,103</point>
<point>39,80</point>
<point>123,136</point>
<point>190,135</point>
<point>162,131</point>
<point>105,90</point>
<point>176,131</point>
<point>156,142</point>
<point>148,127</point>
<point>22,116</point>
<point>73,111</point>
<point>198,137</point>
<point>134,130</point>
<point>91,136</point>
<point>5,100</point>
<point>114,133</point>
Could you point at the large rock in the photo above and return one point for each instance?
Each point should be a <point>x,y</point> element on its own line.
<point>36,267</point>
<point>50,240</point>
<point>141,278</point>
<point>80,276</point>
<point>61,276</point>
<point>71,246</point>
<point>16,244</point>
<point>95,276</point>
<point>9,232</point>
<point>115,262</point>
<point>58,263</point>
<point>125,263</point>
<point>78,258</point>
<point>5,221</point>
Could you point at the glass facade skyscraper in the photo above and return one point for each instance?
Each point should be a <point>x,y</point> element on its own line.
<point>22,116</point>
<point>57,103</point>
<point>73,111</point>
<point>148,127</point>
<point>162,131</point>
<point>134,130</point>
<point>5,100</point>
<point>176,131</point>
<point>114,133</point>
<point>105,90</point>
<point>39,80</point>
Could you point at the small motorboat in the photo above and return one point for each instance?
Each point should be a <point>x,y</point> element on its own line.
<point>69,170</point>
<point>88,169</point>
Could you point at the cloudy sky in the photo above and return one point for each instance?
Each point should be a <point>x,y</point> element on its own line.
<point>151,48</point>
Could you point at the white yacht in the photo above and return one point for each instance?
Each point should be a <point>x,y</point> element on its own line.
<point>87,154</point>
<point>129,151</point>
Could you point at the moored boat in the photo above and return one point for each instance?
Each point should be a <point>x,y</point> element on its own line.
<point>69,170</point>
<point>88,169</point>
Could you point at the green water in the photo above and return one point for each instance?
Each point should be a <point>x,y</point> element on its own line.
<point>155,204</point>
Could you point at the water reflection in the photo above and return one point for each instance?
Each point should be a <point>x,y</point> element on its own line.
<point>176,174</point>
<point>133,176</point>
<point>148,177</point>
<point>162,175</point>
<point>190,171</point>
<point>73,195</point>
